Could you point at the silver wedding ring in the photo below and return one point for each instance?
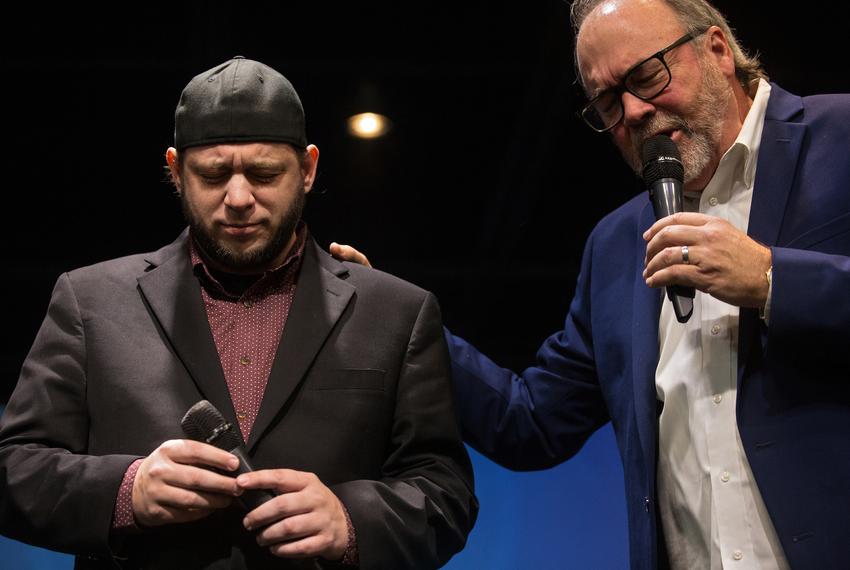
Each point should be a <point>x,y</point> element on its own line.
<point>685,258</point>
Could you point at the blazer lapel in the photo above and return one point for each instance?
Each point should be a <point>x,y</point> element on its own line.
<point>173,294</point>
<point>320,298</point>
<point>781,143</point>
<point>646,310</point>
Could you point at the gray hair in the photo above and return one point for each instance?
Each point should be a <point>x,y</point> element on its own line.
<point>695,16</point>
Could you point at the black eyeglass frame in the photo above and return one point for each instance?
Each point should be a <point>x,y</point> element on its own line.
<point>623,85</point>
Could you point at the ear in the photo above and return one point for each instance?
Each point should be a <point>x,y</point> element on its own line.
<point>309,166</point>
<point>173,167</point>
<point>718,48</point>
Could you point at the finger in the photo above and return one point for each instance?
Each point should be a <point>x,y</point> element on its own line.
<point>280,480</point>
<point>194,478</point>
<point>670,236</point>
<point>184,499</point>
<point>183,516</point>
<point>191,452</point>
<point>281,507</point>
<point>348,253</point>
<point>168,515</point>
<point>303,548</point>
<point>680,218</point>
<point>163,504</point>
<point>289,529</point>
<point>669,257</point>
<point>684,275</point>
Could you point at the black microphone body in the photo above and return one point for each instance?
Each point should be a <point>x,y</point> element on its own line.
<point>251,498</point>
<point>203,422</point>
<point>666,196</point>
<point>663,174</point>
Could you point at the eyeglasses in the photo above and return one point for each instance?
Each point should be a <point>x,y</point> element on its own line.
<point>645,80</point>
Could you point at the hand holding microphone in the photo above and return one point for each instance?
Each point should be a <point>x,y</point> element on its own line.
<point>177,483</point>
<point>203,422</point>
<point>184,480</point>
<point>696,251</point>
<point>315,520</point>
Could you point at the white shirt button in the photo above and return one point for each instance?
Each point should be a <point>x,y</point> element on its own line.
<point>715,329</point>
<point>737,555</point>
<point>718,398</point>
<point>725,476</point>
<point>712,201</point>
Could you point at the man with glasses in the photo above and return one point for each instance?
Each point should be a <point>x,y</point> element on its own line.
<point>734,428</point>
<point>645,80</point>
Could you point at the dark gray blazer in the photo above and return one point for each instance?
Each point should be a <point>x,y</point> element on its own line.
<point>359,394</point>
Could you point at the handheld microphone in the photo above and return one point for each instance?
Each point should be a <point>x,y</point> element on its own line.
<point>203,422</point>
<point>663,174</point>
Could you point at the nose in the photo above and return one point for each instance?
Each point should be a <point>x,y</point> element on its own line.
<point>635,110</point>
<point>240,195</point>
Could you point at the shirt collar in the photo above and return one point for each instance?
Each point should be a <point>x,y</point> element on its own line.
<point>749,139</point>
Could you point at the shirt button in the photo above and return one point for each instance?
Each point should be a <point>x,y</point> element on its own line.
<point>725,476</point>
<point>738,555</point>
<point>717,398</point>
<point>244,361</point>
<point>715,329</point>
<point>241,416</point>
<point>712,201</point>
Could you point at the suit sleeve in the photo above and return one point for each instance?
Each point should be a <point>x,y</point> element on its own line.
<point>52,493</point>
<point>541,417</point>
<point>811,299</point>
<point>421,510</point>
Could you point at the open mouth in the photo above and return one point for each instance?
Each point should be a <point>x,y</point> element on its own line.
<point>672,133</point>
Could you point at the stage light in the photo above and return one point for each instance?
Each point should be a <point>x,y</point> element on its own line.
<point>368,125</point>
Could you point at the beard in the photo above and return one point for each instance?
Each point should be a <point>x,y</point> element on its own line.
<point>256,259</point>
<point>702,129</point>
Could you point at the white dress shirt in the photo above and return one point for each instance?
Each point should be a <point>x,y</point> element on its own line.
<point>711,509</point>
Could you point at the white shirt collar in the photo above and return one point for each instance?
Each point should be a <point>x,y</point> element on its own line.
<point>749,138</point>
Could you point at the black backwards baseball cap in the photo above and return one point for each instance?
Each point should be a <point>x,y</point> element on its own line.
<point>240,100</point>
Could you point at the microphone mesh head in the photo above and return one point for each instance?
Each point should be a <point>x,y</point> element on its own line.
<point>661,159</point>
<point>203,422</point>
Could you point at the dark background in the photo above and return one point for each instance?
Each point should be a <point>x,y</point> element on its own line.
<point>483,192</point>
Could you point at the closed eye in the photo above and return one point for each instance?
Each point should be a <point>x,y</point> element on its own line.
<point>213,179</point>
<point>265,177</point>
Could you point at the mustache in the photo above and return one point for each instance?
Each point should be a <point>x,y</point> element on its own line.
<point>659,123</point>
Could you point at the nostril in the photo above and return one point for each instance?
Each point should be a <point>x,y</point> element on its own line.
<point>636,111</point>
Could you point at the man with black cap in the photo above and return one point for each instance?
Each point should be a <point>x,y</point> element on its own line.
<point>336,376</point>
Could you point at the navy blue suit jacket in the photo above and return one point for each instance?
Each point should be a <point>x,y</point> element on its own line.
<point>793,408</point>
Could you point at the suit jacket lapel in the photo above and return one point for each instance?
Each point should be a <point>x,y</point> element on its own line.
<point>174,296</point>
<point>646,310</point>
<point>781,143</point>
<point>320,298</point>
